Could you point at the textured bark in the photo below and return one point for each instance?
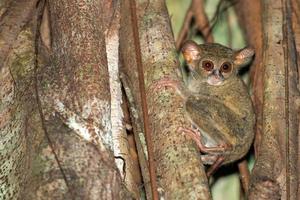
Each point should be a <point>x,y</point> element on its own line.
<point>14,15</point>
<point>75,99</point>
<point>275,171</point>
<point>296,25</point>
<point>138,134</point>
<point>179,171</point>
<point>296,31</point>
<point>121,147</point>
<point>291,35</point>
<point>20,126</point>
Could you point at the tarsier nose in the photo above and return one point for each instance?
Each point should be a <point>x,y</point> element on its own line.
<point>216,73</point>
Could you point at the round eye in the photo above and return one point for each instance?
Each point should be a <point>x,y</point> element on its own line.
<point>226,67</point>
<point>207,65</point>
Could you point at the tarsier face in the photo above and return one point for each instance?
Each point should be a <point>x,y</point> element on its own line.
<point>213,62</point>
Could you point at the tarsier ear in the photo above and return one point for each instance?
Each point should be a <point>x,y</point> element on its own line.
<point>244,56</point>
<point>191,52</point>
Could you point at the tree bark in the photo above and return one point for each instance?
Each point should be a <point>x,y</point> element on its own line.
<point>74,98</point>
<point>296,33</point>
<point>14,16</point>
<point>275,172</point>
<point>20,126</point>
<point>121,150</point>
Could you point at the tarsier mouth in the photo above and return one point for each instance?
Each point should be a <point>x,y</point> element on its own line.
<point>215,78</point>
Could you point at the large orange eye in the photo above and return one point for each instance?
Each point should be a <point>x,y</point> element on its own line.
<point>207,65</point>
<point>226,67</point>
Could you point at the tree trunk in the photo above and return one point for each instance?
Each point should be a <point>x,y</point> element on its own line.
<point>20,126</point>
<point>73,98</point>
<point>275,173</point>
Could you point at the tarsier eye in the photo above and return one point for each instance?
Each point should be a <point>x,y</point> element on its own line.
<point>226,67</point>
<point>207,65</point>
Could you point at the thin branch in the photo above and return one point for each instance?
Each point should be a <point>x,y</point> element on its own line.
<point>40,10</point>
<point>185,27</point>
<point>196,10</point>
<point>119,135</point>
<point>229,29</point>
<point>143,99</point>
<point>244,175</point>
<point>49,140</point>
<point>138,133</point>
<point>202,21</point>
<point>220,10</point>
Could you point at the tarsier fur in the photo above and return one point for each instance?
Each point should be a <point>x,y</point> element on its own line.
<point>217,101</point>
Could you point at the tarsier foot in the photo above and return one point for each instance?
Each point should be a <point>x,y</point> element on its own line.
<point>217,160</point>
<point>195,135</point>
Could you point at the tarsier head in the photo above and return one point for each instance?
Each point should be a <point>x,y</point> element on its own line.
<point>214,62</point>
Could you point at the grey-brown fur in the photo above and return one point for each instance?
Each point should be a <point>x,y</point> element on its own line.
<point>223,113</point>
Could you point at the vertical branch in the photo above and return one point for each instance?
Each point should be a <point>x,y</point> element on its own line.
<point>275,171</point>
<point>295,7</point>
<point>141,82</point>
<point>185,27</point>
<point>138,136</point>
<point>293,108</point>
<point>202,20</point>
<point>121,151</point>
<point>76,87</point>
<point>20,127</point>
<point>18,139</point>
<point>244,175</point>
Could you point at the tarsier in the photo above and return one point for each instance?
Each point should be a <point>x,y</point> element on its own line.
<point>217,102</point>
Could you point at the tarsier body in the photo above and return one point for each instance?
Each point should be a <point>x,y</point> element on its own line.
<point>217,102</point>
<point>224,120</point>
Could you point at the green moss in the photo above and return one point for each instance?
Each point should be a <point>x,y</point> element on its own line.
<point>22,57</point>
<point>23,64</point>
<point>38,166</point>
